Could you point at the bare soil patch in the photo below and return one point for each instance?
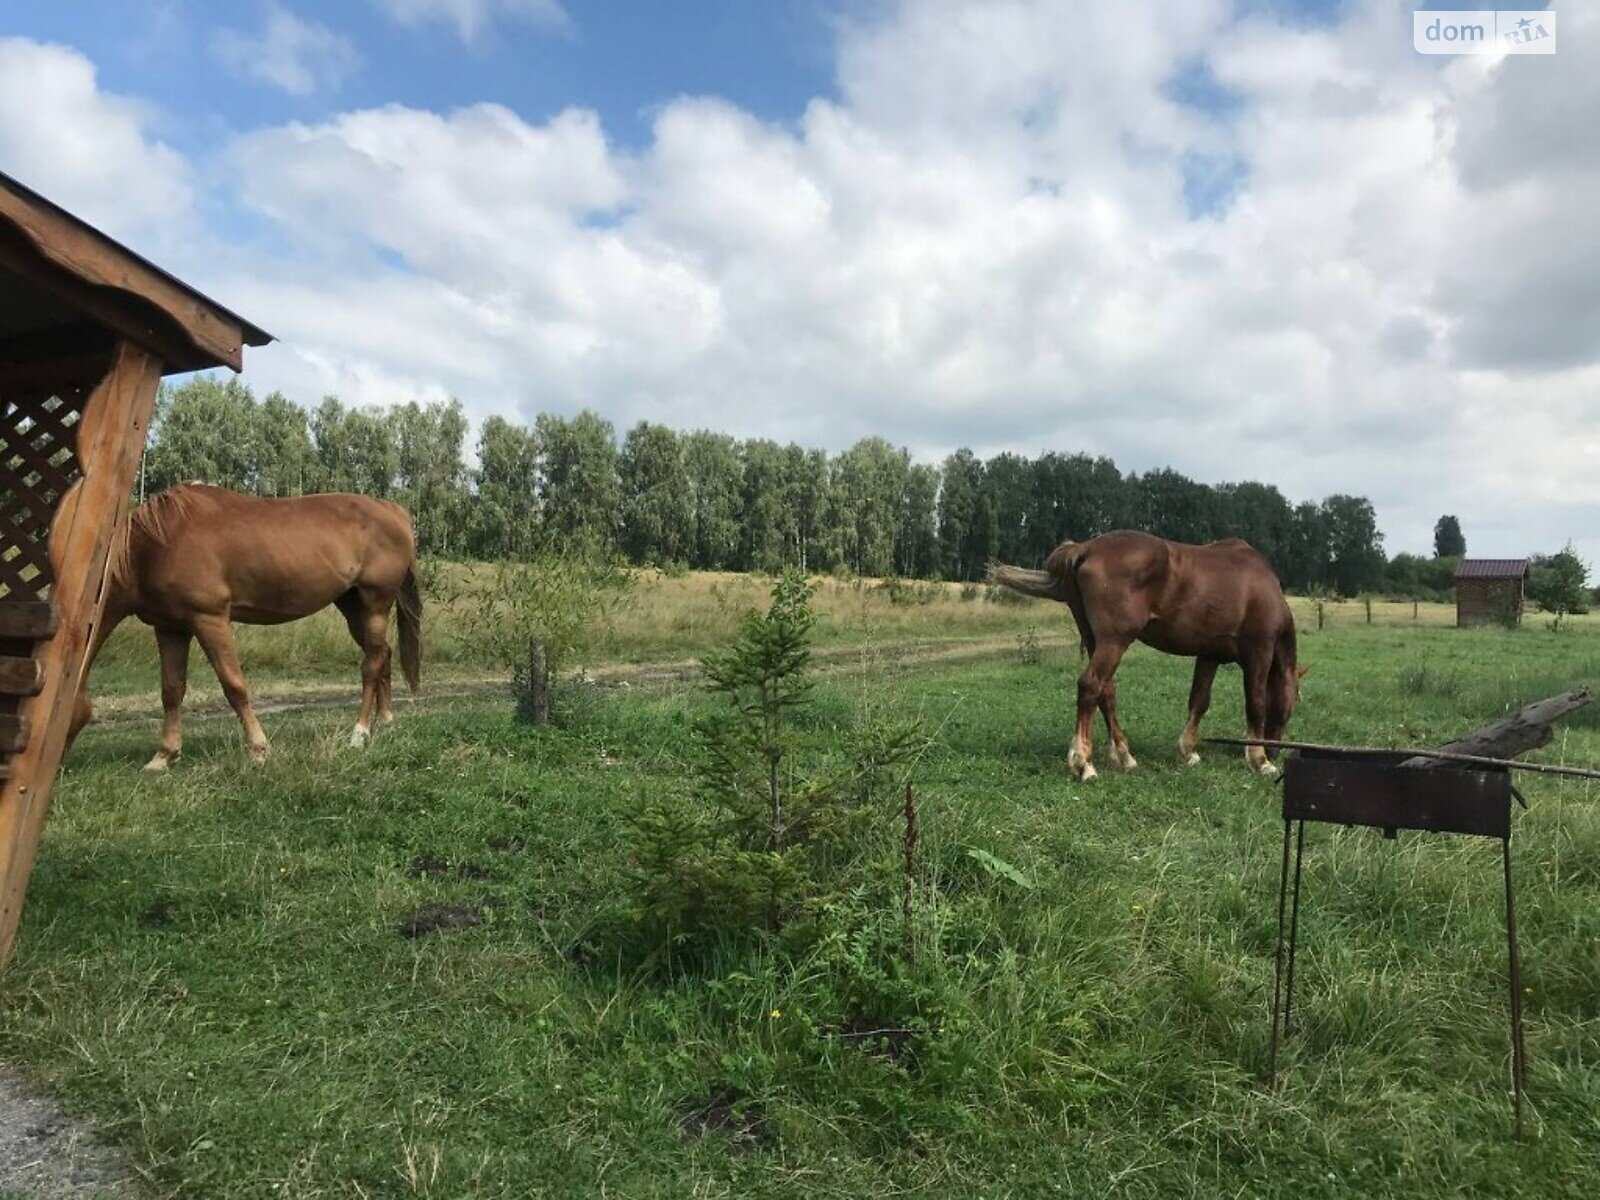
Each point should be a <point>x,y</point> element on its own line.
<point>45,1153</point>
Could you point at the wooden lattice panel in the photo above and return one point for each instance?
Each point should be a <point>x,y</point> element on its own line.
<point>38,463</point>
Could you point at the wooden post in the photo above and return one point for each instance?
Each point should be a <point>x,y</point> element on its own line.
<point>908,852</point>
<point>538,683</point>
<point>1368,601</point>
<point>110,440</point>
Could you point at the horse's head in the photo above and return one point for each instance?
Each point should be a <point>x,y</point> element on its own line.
<point>1283,693</point>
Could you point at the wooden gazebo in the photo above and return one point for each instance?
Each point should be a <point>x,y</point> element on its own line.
<point>87,330</point>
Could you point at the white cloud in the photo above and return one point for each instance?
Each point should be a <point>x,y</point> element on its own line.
<point>85,148</point>
<point>474,18</point>
<point>288,52</point>
<point>984,239</point>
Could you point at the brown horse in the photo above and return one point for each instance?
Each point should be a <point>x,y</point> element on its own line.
<point>1217,603</point>
<point>196,558</point>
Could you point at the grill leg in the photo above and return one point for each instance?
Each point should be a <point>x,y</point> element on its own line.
<point>1519,1054</point>
<point>1294,929</point>
<point>1277,961</point>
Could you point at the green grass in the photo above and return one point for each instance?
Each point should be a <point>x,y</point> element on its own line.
<point>210,963</point>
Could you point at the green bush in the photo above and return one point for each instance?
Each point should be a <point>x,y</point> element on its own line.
<point>561,601</point>
<point>765,840</point>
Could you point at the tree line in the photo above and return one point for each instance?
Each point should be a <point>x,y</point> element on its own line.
<point>706,500</point>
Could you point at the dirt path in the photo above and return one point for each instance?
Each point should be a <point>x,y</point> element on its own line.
<point>46,1154</point>
<point>145,707</point>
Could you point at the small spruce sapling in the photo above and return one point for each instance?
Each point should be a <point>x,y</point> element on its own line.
<point>768,838</point>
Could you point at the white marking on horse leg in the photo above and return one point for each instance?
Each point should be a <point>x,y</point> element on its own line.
<point>259,751</point>
<point>1256,759</point>
<point>1078,763</point>
<point>359,736</point>
<point>160,762</point>
<point>1122,756</point>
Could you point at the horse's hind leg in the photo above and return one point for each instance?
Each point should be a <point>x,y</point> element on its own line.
<point>374,638</point>
<point>1091,687</point>
<point>1121,752</point>
<point>1205,671</point>
<point>215,634</point>
<point>174,648</point>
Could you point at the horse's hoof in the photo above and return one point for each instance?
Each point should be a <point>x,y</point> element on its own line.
<point>159,763</point>
<point>1266,770</point>
<point>359,736</point>
<point>258,754</point>
<point>1123,759</point>
<point>1189,758</point>
<point>1081,770</point>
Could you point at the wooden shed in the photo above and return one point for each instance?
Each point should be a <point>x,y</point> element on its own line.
<point>87,330</point>
<point>1490,591</point>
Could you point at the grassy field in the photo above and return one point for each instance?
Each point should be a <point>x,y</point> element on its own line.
<point>666,618</point>
<point>212,961</point>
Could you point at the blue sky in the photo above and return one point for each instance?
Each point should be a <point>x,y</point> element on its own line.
<point>1241,238</point>
<point>621,59</point>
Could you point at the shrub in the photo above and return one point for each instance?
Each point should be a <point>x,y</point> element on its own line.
<point>908,592</point>
<point>1559,584</point>
<point>1028,652</point>
<point>561,602</point>
<point>765,840</point>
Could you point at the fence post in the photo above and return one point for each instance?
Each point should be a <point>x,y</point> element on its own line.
<point>538,683</point>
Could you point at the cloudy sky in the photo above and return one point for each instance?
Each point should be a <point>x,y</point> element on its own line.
<point>1243,238</point>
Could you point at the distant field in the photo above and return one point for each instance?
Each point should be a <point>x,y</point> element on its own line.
<point>675,618</point>
<point>210,962</point>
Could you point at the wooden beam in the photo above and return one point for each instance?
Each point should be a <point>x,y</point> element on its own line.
<point>110,439</point>
<point>126,314</point>
<point>99,262</point>
<point>82,369</point>
<point>20,676</point>
<point>27,620</point>
<point>13,734</point>
<point>55,342</point>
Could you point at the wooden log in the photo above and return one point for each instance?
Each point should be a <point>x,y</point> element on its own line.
<point>1526,729</point>
<point>1471,760</point>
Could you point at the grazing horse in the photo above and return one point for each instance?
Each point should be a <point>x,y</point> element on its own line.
<point>195,559</point>
<point>1217,603</point>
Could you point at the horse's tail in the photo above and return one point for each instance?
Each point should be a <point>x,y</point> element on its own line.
<point>1052,583</point>
<point>411,628</point>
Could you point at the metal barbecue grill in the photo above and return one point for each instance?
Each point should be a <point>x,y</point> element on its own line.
<point>1344,787</point>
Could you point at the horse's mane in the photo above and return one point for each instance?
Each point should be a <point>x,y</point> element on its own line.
<point>154,523</point>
